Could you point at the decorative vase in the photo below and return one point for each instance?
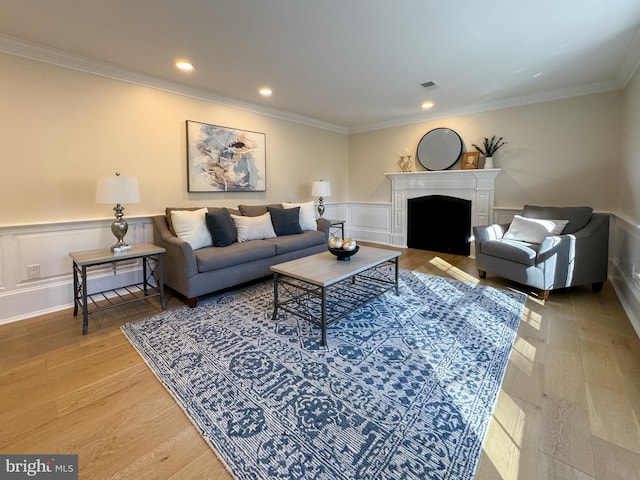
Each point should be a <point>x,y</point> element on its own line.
<point>488,162</point>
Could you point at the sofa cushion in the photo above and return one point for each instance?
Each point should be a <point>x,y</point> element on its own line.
<point>222,229</point>
<point>253,228</point>
<point>191,226</point>
<point>533,230</point>
<point>255,210</point>
<point>285,221</point>
<point>290,243</point>
<point>213,258</point>
<point>520,252</point>
<point>168,210</point>
<point>307,214</point>
<point>578,217</point>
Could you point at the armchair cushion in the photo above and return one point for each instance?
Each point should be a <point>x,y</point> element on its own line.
<point>512,250</point>
<point>533,230</point>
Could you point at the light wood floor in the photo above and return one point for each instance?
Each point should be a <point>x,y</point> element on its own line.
<point>568,409</point>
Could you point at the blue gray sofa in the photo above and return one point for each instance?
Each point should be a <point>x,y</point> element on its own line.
<point>196,272</point>
<point>575,253</point>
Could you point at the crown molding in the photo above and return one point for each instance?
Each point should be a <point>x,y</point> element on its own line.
<point>40,53</point>
<point>16,47</point>
<point>482,107</point>
<point>631,61</point>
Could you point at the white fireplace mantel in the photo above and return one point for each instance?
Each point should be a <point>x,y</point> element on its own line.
<point>475,185</point>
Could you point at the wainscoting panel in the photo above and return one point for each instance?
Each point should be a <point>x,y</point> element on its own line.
<point>35,266</point>
<point>371,222</point>
<point>624,266</point>
<point>47,247</point>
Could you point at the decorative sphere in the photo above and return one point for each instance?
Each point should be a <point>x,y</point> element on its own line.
<point>335,242</point>
<point>349,244</point>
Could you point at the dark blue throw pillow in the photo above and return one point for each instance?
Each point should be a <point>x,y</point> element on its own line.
<point>223,230</point>
<point>286,221</point>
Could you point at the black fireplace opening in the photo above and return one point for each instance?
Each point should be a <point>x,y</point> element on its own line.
<point>439,223</point>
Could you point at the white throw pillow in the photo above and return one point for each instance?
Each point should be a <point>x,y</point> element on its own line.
<point>253,228</point>
<point>191,226</point>
<point>533,230</point>
<point>307,214</point>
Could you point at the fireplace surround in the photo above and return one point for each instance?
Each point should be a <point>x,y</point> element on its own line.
<point>478,186</point>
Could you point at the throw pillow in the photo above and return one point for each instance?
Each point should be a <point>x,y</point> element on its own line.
<point>255,210</point>
<point>286,221</point>
<point>222,229</point>
<point>307,214</point>
<point>191,226</point>
<point>253,228</point>
<point>533,230</point>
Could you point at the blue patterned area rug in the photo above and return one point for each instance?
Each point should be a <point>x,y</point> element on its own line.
<point>405,388</point>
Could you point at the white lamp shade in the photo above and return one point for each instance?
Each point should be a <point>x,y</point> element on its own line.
<point>117,189</point>
<point>321,189</point>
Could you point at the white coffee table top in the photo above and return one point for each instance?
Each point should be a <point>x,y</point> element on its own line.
<point>323,270</point>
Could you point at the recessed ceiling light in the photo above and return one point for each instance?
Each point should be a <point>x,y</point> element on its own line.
<point>265,91</point>
<point>427,105</point>
<point>184,66</point>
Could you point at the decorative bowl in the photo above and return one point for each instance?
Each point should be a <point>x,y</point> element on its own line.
<point>344,254</point>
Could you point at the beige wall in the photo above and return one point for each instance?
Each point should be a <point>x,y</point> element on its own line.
<point>61,129</point>
<point>629,179</point>
<point>564,152</point>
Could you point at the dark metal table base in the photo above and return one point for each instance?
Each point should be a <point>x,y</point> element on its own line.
<point>323,306</point>
<point>151,286</point>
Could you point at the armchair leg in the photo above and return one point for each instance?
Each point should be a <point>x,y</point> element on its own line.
<point>544,294</point>
<point>597,287</point>
<point>482,273</point>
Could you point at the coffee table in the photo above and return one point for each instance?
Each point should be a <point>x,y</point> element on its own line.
<point>322,290</point>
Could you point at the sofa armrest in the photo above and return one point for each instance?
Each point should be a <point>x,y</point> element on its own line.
<point>179,258</point>
<point>323,226</point>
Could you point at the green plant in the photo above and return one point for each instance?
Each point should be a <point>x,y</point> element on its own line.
<point>490,146</point>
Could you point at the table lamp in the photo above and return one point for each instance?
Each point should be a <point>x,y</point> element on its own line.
<point>321,189</point>
<point>118,189</point>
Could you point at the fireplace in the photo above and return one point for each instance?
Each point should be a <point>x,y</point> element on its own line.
<point>439,223</point>
<point>476,186</point>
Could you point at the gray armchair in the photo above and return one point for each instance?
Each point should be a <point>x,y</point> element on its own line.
<point>576,256</point>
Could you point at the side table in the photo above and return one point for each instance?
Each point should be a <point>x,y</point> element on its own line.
<point>151,257</point>
<point>334,225</point>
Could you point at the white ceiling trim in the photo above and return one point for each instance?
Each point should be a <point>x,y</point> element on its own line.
<point>497,105</point>
<point>16,47</point>
<point>631,61</point>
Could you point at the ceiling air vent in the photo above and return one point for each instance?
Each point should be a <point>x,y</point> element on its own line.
<point>430,85</point>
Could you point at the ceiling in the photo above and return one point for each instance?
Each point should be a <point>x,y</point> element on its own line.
<point>353,65</point>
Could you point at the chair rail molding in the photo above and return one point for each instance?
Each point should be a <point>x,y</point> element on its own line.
<point>35,267</point>
<point>44,249</point>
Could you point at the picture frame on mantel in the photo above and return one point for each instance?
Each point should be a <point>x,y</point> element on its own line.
<point>225,159</point>
<point>470,160</point>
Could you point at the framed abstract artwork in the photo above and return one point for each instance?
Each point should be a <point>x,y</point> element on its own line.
<point>223,159</point>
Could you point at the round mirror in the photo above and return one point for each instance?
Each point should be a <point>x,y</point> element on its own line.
<point>439,149</point>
